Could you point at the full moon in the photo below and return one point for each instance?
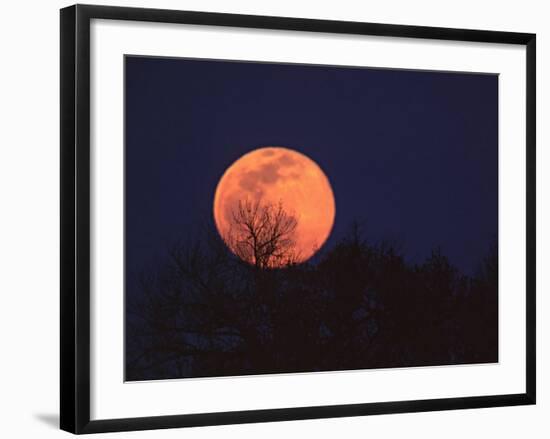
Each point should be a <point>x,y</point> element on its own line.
<point>282,178</point>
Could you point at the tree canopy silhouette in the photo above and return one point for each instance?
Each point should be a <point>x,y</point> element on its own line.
<point>263,234</point>
<point>361,305</point>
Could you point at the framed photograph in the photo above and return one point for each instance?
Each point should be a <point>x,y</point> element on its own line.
<point>267,219</point>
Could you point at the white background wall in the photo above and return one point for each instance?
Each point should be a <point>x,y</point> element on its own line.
<point>29,248</point>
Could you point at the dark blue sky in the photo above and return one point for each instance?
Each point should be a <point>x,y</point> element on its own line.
<point>411,154</point>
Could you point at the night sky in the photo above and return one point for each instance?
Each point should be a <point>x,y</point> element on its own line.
<point>413,155</point>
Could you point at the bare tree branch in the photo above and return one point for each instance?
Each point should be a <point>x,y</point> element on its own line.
<point>263,234</point>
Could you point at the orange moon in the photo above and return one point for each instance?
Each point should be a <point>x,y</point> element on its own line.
<point>280,175</point>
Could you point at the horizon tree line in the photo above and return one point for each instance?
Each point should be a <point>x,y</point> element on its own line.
<point>241,304</point>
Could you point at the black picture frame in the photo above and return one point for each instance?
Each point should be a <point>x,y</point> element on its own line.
<point>75,217</point>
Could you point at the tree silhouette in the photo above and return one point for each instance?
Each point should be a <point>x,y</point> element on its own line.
<point>263,234</point>
<point>360,305</point>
